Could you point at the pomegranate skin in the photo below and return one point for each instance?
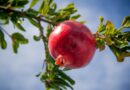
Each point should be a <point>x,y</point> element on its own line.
<point>72,44</point>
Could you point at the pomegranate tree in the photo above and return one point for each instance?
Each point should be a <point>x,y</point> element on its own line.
<point>71,44</point>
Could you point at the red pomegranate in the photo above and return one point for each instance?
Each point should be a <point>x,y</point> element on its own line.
<point>71,44</point>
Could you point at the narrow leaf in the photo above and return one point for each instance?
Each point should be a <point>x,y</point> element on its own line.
<point>62,74</point>
<point>33,3</point>
<point>15,46</point>
<point>63,82</point>
<point>126,22</point>
<point>109,28</point>
<point>33,22</point>
<point>69,6</point>
<point>75,17</point>
<point>31,13</point>
<point>44,8</point>
<point>3,42</point>
<point>117,53</point>
<point>16,21</point>
<point>19,26</point>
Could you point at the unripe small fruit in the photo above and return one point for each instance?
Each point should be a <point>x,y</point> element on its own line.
<point>71,44</point>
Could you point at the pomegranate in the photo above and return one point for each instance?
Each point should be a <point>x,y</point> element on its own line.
<point>71,44</point>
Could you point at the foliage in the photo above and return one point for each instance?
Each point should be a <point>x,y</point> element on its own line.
<point>54,78</point>
<point>118,40</point>
<point>13,11</point>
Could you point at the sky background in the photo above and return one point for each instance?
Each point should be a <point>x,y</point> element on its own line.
<point>17,71</point>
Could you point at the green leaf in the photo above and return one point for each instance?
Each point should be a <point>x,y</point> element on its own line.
<point>17,22</point>
<point>4,19</point>
<point>66,69</point>
<point>33,22</point>
<point>54,86</point>
<point>49,30</point>
<point>3,42</point>
<point>75,17</point>
<point>43,77</point>
<point>63,82</point>
<point>18,37</point>
<point>50,67</point>
<point>19,3</point>
<point>69,6</point>
<point>101,27</point>
<point>109,28</point>
<point>44,8</point>
<point>15,46</point>
<point>36,38</point>
<point>54,6</point>
<point>33,3</point>
<point>100,44</point>
<point>101,19</point>
<point>117,53</point>
<point>1,34</point>
<point>108,40</point>
<point>126,48</point>
<point>19,26</point>
<point>66,77</point>
<point>31,13</point>
<point>126,22</point>
<point>126,54</point>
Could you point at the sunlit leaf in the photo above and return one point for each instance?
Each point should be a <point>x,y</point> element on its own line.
<point>126,22</point>
<point>69,6</point>
<point>108,40</point>
<point>33,3</point>
<point>75,17</point>
<point>101,19</point>
<point>109,28</point>
<point>44,8</point>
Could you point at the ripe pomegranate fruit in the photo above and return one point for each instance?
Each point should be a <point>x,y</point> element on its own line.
<point>71,44</point>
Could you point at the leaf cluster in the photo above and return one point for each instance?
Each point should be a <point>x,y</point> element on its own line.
<point>117,39</point>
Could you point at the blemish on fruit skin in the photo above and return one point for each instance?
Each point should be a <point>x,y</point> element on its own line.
<point>74,42</point>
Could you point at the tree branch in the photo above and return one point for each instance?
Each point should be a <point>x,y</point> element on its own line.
<point>24,14</point>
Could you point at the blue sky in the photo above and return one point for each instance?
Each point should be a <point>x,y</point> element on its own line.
<point>17,71</point>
